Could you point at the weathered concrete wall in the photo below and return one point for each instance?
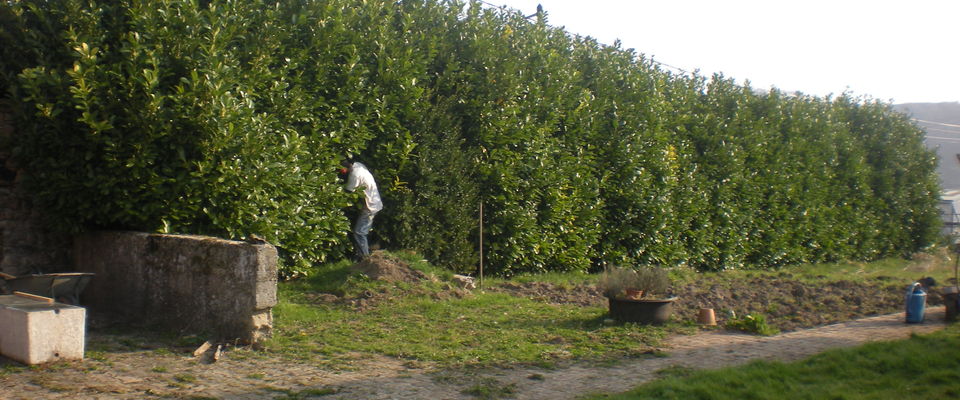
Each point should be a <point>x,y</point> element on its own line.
<point>190,284</point>
<point>25,246</point>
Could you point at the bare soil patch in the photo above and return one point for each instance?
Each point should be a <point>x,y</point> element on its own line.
<point>787,303</point>
<point>127,366</point>
<point>379,266</point>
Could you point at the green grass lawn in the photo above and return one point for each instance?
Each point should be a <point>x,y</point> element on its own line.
<point>424,322</point>
<point>922,367</point>
<point>482,328</point>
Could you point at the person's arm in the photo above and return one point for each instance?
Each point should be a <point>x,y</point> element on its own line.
<point>352,181</point>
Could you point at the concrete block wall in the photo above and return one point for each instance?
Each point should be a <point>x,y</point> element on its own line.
<point>189,284</point>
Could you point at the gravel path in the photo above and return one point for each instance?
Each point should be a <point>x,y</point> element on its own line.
<point>245,374</point>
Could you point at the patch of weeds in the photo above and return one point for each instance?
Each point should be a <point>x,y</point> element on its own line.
<point>162,351</point>
<point>548,365</point>
<point>289,394</point>
<point>318,392</point>
<point>97,355</point>
<point>753,324</point>
<point>57,366</point>
<point>130,343</point>
<point>417,262</point>
<point>490,389</point>
<point>188,341</point>
<point>414,364</point>
<point>446,377</point>
<point>11,369</point>
<point>185,378</point>
<point>247,353</point>
<point>258,376</point>
<point>44,382</point>
<point>658,354</point>
<point>96,345</point>
<point>159,369</point>
<point>675,371</point>
<point>641,354</point>
<point>38,380</point>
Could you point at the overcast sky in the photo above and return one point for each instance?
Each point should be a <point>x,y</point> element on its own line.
<point>900,51</point>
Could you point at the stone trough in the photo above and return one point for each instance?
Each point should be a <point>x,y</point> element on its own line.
<point>35,330</point>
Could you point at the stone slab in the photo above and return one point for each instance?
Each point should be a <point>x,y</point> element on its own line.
<point>37,332</point>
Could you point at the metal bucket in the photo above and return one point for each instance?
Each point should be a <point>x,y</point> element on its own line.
<point>951,299</point>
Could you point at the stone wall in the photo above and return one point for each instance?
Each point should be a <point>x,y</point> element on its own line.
<point>188,284</point>
<point>185,283</point>
<point>25,246</point>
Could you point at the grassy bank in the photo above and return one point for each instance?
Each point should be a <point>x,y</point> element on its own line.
<point>432,321</point>
<point>922,367</point>
<point>338,313</point>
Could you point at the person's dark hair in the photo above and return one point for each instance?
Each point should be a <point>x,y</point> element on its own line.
<point>346,163</point>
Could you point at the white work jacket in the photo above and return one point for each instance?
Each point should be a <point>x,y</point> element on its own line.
<point>361,177</point>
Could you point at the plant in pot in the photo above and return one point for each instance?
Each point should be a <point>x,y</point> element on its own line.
<point>637,294</point>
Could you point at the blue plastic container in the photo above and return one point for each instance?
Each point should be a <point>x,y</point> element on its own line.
<point>916,302</point>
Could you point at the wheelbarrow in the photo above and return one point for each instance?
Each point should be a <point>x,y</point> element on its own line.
<point>63,287</point>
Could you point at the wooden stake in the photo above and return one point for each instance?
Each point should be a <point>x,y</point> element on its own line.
<point>202,349</point>
<point>34,297</point>
<point>481,245</point>
<point>956,263</point>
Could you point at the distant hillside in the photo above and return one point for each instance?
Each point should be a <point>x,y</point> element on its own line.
<point>942,123</point>
<point>948,113</point>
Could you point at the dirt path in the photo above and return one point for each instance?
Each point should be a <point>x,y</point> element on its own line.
<point>245,374</point>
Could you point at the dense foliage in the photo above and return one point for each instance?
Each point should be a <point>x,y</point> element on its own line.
<point>229,117</point>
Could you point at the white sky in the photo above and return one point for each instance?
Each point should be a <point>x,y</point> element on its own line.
<point>902,51</point>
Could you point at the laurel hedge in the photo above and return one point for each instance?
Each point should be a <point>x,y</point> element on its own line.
<point>228,117</point>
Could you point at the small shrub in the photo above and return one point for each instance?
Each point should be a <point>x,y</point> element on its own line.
<point>753,324</point>
<point>614,281</point>
<point>652,280</point>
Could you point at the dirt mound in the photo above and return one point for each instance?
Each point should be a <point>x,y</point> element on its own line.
<point>788,304</point>
<point>380,267</point>
<point>582,294</point>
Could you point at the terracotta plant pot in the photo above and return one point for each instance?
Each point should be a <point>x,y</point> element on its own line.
<point>634,294</point>
<point>707,317</point>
